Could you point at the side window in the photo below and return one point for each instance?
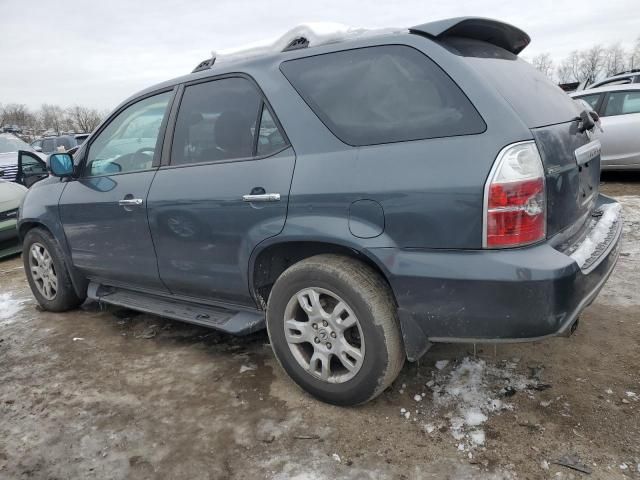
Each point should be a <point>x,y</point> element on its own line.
<point>592,100</point>
<point>216,121</point>
<point>621,103</point>
<point>384,94</point>
<point>31,166</point>
<point>130,140</point>
<point>270,139</point>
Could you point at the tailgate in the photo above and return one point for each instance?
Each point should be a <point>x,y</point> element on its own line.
<point>572,168</point>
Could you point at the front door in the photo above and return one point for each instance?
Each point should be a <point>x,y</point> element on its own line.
<point>224,190</point>
<point>103,212</point>
<point>31,168</point>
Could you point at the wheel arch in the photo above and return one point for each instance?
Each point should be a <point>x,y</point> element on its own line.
<point>268,261</point>
<point>78,280</point>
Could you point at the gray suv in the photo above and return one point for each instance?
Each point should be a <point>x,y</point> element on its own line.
<point>361,199</point>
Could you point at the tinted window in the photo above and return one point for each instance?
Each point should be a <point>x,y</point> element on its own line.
<point>130,140</point>
<point>536,99</point>
<point>49,145</point>
<point>383,94</point>
<point>592,100</point>
<point>216,121</point>
<point>621,103</point>
<point>270,139</point>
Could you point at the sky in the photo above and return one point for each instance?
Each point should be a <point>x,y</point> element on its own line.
<point>97,53</point>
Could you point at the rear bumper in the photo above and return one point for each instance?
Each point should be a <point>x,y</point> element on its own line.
<point>513,295</point>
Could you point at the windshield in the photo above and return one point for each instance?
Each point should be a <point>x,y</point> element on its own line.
<point>11,143</point>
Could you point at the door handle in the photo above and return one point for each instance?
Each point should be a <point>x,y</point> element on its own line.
<point>127,202</point>
<point>264,197</point>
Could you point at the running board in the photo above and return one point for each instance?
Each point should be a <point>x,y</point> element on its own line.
<point>230,321</point>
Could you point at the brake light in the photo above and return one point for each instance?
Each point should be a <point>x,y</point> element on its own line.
<point>515,198</point>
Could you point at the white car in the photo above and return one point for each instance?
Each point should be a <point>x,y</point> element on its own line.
<point>619,109</point>
<point>10,197</point>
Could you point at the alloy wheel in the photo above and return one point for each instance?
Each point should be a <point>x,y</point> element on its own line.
<point>324,335</point>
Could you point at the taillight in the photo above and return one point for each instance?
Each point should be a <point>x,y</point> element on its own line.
<point>515,199</point>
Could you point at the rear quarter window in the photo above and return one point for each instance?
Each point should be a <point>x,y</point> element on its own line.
<point>534,97</point>
<point>383,94</point>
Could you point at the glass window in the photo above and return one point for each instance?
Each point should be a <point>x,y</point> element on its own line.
<point>270,140</point>
<point>32,166</point>
<point>49,145</point>
<point>216,121</point>
<point>592,100</point>
<point>621,103</point>
<point>383,94</point>
<point>130,140</point>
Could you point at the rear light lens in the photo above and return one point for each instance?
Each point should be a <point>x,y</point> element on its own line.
<point>515,198</point>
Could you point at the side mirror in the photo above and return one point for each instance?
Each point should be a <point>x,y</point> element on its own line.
<point>38,149</point>
<point>60,164</point>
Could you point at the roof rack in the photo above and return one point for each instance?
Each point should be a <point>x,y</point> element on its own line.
<point>633,70</point>
<point>296,44</point>
<point>205,64</point>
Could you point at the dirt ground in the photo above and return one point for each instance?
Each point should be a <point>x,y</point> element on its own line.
<point>113,395</point>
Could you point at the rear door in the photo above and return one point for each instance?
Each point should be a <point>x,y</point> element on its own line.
<point>103,212</point>
<point>223,190</point>
<point>620,117</point>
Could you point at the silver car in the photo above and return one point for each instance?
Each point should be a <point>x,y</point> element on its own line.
<point>619,110</point>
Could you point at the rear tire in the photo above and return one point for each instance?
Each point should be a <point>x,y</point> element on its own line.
<point>47,272</point>
<point>334,329</point>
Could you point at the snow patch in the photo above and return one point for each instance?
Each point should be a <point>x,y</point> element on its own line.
<point>471,389</point>
<point>9,307</point>
<point>598,234</point>
<point>317,33</point>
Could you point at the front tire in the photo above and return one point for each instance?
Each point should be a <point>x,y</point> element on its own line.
<point>333,327</point>
<point>47,273</point>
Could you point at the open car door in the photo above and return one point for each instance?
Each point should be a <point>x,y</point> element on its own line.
<point>31,168</point>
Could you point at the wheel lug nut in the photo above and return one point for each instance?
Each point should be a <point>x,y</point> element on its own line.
<point>333,334</point>
<point>324,323</point>
<point>328,345</point>
<point>315,326</point>
<point>317,340</point>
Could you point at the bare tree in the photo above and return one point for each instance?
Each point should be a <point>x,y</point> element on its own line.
<point>573,64</point>
<point>591,63</point>
<point>543,63</point>
<point>634,55</point>
<point>614,59</point>
<point>52,117</point>
<point>84,119</point>
<point>17,114</point>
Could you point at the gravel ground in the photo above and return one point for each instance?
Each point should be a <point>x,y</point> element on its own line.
<point>111,394</point>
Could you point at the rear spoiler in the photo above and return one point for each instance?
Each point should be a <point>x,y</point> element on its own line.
<point>492,31</point>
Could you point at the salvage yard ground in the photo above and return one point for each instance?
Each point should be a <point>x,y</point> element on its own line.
<point>113,394</point>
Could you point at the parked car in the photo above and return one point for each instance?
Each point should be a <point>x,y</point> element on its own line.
<point>622,78</point>
<point>80,138</point>
<point>619,109</point>
<point>55,144</point>
<point>10,197</point>
<point>27,173</point>
<point>443,191</point>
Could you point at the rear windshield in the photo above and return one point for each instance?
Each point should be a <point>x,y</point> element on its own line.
<point>535,98</point>
<point>383,94</point>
